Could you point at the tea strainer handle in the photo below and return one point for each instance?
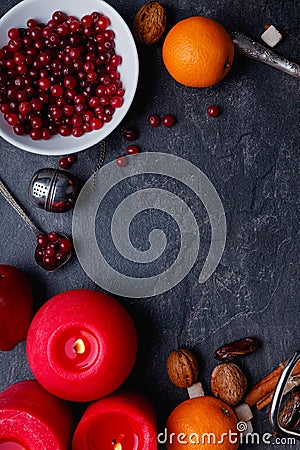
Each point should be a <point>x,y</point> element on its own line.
<point>10,199</point>
<point>248,47</point>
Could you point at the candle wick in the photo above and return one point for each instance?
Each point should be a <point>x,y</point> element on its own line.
<point>79,346</point>
<point>116,442</point>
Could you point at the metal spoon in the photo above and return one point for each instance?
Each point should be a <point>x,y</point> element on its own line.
<point>10,199</point>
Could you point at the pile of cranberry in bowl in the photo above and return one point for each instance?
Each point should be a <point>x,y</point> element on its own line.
<point>67,75</point>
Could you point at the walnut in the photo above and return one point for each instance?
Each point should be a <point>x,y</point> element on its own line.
<point>182,368</point>
<point>149,23</point>
<point>228,383</point>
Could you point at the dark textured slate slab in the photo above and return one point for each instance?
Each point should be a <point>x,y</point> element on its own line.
<point>251,154</point>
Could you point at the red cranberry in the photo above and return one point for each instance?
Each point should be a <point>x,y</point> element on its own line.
<point>213,111</point>
<point>77,131</point>
<point>59,17</point>
<point>42,240</point>
<point>63,29</point>
<point>46,134</point>
<point>132,150</point>
<point>53,237</point>
<point>35,134</point>
<point>86,127</point>
<point>19,129</point>
<point>64,130</point>
<point>40,252</point>
<point>65,245</point>
<point>19,58</point>
<point>96,124</point>
<point>86,21</point>
<point>130,134</point>
<point>49,261</point>
<point>56,90</point>
<point>74,26</point>
<point>153,120</point>
<point>168,120</point>
<point>11,118</point>
<point>44,84</point>
<point>72,159</point>
<point>116,101</point>
<point>76,120</point>
<point>64,163</point>
<point>103,22</point>
<point>25,108</point>
<point>50,251</point>
<point>36,122</point>
<point>31,23</point>
<point>121,161</point>
<point>13,33</point>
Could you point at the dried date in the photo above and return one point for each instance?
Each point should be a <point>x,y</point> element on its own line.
<point>237,348</point>
<point>290,415</point>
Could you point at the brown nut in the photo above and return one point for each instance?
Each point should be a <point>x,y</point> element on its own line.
<point>228,383</point>
<point>182,368</point>
<point>149,23</point>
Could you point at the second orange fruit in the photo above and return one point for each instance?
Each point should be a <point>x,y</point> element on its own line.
<point>198,52</point>
<point>204,423</point>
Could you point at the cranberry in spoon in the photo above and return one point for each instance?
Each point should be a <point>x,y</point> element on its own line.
<point>53,249</point>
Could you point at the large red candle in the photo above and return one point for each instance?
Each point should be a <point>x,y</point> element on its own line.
<point>123,421</point>
<point>81,345</point>
<point>33,419</point>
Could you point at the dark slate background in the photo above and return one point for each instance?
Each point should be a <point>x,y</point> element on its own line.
<point>250,153</point>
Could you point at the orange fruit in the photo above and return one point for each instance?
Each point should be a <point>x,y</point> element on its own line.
<point>202,423</point>
<point>198,52</point>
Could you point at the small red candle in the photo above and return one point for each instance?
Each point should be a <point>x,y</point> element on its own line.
<point>122,421</point>
<point>33,419</point>
<point>81,345</point>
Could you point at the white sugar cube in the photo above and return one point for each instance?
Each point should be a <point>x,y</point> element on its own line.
<point>271,36</point>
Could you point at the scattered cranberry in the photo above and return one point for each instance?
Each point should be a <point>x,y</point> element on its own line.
<point>121,161</point>
<point>71,159</point>
<point>132,150</point>
<point>130,134</point>
<point>64,163</point>
<point>168,120</point>
<point>153,120</point>
<point>213,111</point>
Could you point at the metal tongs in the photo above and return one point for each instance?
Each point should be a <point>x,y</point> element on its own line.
<point>277,399</point>
<point>248,47</point>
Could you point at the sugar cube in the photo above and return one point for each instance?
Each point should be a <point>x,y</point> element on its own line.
<point>271,36</point>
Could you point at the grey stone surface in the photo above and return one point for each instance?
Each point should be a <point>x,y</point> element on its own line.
<point>250,153</point>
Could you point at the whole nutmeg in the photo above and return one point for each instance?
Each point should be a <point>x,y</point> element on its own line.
<point>228,383</point>
<point>149,23</point>
<point>182,368</point>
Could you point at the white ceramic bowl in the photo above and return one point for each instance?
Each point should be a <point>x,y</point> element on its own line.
<point>42,10</point>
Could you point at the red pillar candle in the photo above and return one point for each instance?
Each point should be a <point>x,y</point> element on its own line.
<point>33,419</point>
<point>81,345</point>
<point>123,421</point>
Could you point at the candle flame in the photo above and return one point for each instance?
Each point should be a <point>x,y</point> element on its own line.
<point>79,346</point>
<point>118,446</point>
<point>116,442</point>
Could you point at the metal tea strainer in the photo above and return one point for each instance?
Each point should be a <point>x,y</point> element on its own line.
<point>53,190</point>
